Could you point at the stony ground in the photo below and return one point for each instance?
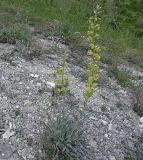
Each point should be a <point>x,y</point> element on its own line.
<point>113,129</point>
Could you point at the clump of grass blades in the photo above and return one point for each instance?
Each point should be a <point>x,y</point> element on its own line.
<point>122,76</point>
<point>9,34</point>
<point>121,44</point>
<point>64,31</point>
<point>128,157</point>
<point>62,139</point>
<point>7,58</point>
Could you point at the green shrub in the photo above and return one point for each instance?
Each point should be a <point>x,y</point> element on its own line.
<point>128,157</point>
<point>122,76</point>
<point>7,58</point>
<point>12,33</point>
<point>62,139</point>
<point>65,31</point>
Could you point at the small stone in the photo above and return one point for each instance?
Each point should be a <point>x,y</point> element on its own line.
<point>93,144</point>
<point>27,102</point>
<point>141,123</point>
<point>110,127</point>
<point>51,84</point>
<point>141,126</point>
<point>93,118</point>
<point>8,134</point>
<point>112,158</point>
<point>29,115</point>
<point>17,107</point>
<point>141,120</point>
<point>104,122</point>
<point>106,135</point>
<point>27,87</point>
<point>5,98</point>
<point>2,77</point>
<point>31,81</point>
<point>3,154</point>
<point>34,75</point>
<point>30,157</point>
<point>10,125</point>
<point>17,79</point>
<point>39,84</point>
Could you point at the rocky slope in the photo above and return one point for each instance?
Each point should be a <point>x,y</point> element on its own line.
<point>113,129</point>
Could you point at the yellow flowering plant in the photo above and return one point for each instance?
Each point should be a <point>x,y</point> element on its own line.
<point>92,55</point>
<point>61,86</point>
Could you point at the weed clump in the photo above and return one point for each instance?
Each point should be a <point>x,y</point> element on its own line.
<point>11,34</point>
<point>128,157</point>
<point>122,76</point>
<point>62,139</point>
<point>65,32</point>
<point>138,101</point>
<point>7,58</point>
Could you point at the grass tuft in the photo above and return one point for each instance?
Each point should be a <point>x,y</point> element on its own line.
<point>62,139</point>
<point>121,75</point>
<point>7,58</point>
<point>9,34</point>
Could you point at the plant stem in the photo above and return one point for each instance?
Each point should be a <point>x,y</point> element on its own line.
<point>85,102</point>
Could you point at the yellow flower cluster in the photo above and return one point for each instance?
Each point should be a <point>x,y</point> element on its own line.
<point>62,82</point>
<point>61,86</point>
<point>93,54</point>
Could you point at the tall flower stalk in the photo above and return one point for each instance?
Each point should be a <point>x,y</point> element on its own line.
<point>93,55</point>
<point>62,80</point>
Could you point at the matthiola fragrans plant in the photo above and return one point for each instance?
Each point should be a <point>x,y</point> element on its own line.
<point>62,80</point>
<point>93,55</point>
